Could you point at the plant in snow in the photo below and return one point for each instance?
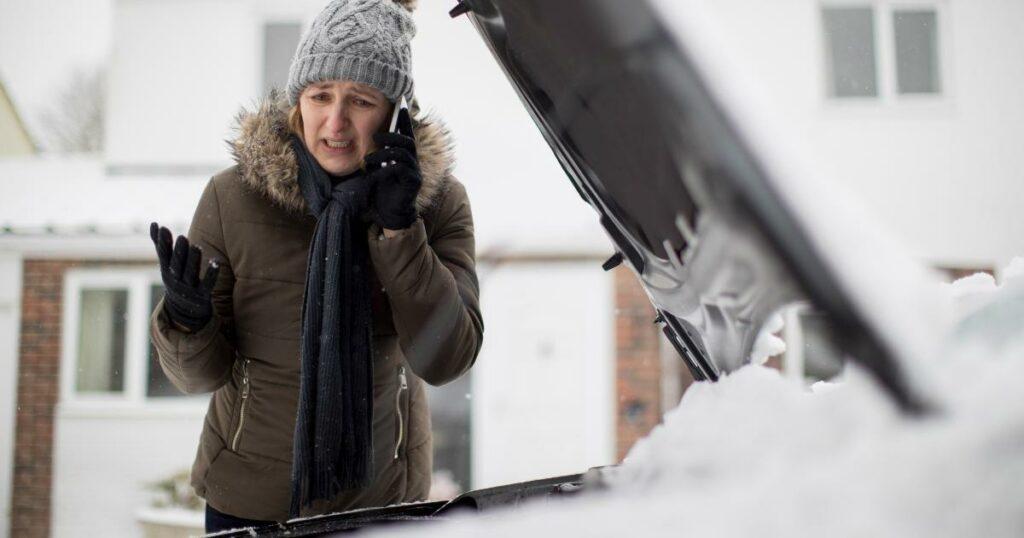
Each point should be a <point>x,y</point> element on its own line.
<point>175,491</point>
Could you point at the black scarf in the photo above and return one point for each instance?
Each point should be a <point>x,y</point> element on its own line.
<point>333,444</point>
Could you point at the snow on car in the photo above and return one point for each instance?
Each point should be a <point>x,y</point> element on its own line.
<point>760,454</point>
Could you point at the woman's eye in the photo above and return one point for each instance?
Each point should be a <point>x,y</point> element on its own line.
<point>362,102</point>
<point>320,97</point>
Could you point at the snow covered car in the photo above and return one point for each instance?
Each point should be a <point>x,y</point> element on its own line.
<point>720,222</point>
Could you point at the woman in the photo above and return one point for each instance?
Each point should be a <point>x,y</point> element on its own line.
<point>339,274</point>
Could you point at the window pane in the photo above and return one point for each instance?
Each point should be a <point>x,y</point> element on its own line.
<point>157,384</point>
<point>279,43</point>
<point>449,411</point>
<point>822,359</point>
<point>850,46</point>
<point>101,340</point>
<point>917,45</point>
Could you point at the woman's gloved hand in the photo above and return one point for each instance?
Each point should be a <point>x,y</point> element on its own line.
<point>396,173</point>
<point>186,298</point>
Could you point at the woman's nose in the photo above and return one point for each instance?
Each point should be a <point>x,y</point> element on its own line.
<point>338,120</point>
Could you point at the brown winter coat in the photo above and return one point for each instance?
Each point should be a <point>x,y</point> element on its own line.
<point>427,324</point>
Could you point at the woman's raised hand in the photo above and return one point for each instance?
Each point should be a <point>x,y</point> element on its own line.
<point>396,184</point>
<point>186,298</point>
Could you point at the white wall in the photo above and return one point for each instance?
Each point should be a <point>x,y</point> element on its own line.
<point>104,460</point>
<point>10,316</point>
<point>521,198</point>
<point>543,387</point>
<point>947,175</point>
<point>179,72</point>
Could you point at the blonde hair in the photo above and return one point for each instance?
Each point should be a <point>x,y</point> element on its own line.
<point>295,121</point>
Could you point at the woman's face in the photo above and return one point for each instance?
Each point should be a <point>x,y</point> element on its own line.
<point>339,119</point>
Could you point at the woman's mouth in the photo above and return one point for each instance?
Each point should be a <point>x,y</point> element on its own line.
<point>338,147</point>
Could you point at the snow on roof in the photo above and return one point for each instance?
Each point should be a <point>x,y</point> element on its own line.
<point>73,198</point>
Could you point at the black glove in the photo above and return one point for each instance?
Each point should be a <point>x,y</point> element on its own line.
<point>186,299</point>
<point>396,175</point>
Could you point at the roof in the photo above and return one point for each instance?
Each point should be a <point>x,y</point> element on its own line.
<point>14,137</point>
<point>69,206</point>
<point>61,204</point>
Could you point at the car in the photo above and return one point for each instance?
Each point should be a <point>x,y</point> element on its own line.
<point>720,220</point>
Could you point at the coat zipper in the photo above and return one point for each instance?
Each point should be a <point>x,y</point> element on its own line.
<point>241,411</point>
<point>403,385</point>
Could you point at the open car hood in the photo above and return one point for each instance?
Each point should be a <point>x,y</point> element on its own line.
<point>691,204</point>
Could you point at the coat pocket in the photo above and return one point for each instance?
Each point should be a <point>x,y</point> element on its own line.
<point>401,410</point>
<point>244,393</point>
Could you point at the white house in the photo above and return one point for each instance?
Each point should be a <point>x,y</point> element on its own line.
<point>913,105</point>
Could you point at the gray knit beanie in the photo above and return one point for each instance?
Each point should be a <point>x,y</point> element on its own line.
<point>363,41</point>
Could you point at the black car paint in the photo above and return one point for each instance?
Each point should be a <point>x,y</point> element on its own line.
<point>377,518</point>
<point>681,193</point>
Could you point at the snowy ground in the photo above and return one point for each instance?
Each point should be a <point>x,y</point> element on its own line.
<point>757,454</point>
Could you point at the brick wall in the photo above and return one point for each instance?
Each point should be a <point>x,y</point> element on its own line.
<point>38,382</point>
<point>638,363</point>
<point>38,387</point>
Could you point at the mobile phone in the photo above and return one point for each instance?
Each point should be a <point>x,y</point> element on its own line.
<point>399,105</point>
<point>393,126</point>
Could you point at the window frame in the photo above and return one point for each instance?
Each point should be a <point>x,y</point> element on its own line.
<point>261,32</point>
<point>261,17</point>
<point>883,12</point>
<point>138,283</point>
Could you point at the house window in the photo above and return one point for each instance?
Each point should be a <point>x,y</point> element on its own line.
<point>811,352</point>
<point>107,354</point>
<point>881,50</point>
<point>450,420</point>
<point>101,340</point>
<point>916,36</point>
<point>279,42</point>
<point>850,37</point>
<point>157,384</point>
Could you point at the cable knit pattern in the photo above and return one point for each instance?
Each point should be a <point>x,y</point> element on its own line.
<point>363,41</point>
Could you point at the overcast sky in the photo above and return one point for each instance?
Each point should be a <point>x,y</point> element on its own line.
<point>43,41</point>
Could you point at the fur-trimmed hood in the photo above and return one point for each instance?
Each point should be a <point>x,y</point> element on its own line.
<point>266,161</point>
